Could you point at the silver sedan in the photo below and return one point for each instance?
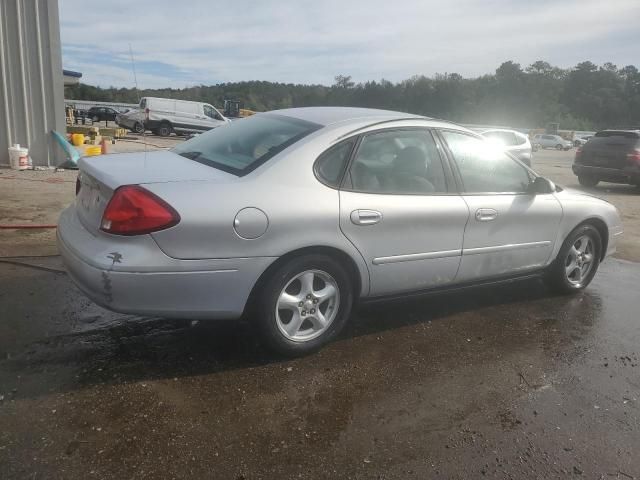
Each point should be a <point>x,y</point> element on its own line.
<point>291,217</point>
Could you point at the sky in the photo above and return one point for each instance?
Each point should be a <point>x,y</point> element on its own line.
<point>203,42</point>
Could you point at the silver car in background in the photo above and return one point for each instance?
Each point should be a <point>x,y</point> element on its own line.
<point>132,120</point>
<point>291,217</point>
<point>511,141</point>
<point>552,141</point>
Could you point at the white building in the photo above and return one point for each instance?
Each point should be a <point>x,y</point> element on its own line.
<point>31,79</point>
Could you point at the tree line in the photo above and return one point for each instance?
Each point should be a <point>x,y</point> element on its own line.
<point>585,97</point>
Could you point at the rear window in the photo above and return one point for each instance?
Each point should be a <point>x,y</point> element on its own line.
<point>613,133</point>
<point>615,138</point>
<point>244,145</point>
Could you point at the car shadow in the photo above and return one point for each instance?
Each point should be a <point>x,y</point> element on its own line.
<point>142,349</point>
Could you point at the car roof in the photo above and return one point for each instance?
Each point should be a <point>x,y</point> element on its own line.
<point>330,115</point>
<point>602,133</point>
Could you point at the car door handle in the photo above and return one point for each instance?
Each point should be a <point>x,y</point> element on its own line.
<point>486,214</point>
<point>365,217</point>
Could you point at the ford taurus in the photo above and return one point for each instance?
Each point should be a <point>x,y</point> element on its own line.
<point>291,217</point>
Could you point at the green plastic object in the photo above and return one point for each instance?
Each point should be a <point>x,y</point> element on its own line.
<point>72,154</point>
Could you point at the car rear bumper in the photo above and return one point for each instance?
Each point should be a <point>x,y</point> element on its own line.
<point>614,175</point>
<point>132,275</point>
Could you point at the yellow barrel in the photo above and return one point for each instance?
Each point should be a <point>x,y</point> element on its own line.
<point>77,139</point>
<point>92,150</point>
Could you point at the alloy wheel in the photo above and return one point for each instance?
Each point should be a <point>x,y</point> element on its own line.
<point>579,261</point>
<point>307,305</point>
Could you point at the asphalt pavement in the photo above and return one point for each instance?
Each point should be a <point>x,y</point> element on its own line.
<point>509,382</point>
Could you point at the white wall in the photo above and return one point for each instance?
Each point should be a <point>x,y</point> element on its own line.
<point>31,84</point>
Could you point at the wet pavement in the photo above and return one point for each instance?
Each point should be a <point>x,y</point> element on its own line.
<point>507,382</point>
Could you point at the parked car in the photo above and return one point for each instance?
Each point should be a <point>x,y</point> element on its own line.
<point>291,217</point>
<point>579,141</point>
<point>512,141</point>
<point>552,141</point>
<point>132,120</point>
<point>102,114</point>
<point>609,156</point>
<point>164,115</point>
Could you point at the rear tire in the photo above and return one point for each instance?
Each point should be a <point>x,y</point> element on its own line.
<point>588,181</point>
<point>577,261</point>
<point>296,312</point>
<point>164,130</point>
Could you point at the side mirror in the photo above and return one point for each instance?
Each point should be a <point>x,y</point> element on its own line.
<point>542,185</point>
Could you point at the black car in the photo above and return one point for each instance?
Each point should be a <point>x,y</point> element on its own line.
<point>100,114</point>
<point>609,156</point>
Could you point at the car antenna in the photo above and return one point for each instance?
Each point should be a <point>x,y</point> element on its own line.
<point>135,81</point>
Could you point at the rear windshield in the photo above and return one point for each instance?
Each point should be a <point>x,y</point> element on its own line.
<point>613,138</point>
<point>244,145</point>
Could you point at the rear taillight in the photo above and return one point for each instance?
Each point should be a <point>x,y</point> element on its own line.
<point>146,113</point>
<point>78,185</point>
<point>634,157</point>
<point>134,210</point>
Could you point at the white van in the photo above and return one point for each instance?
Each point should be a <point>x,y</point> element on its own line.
<point>164,115</point>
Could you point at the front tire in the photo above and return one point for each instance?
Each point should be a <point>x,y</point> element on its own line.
<point>304,305</point>
<point>577,262</point>
<point>138,128</point>
<point>587,181</point>
<point>164,130</point>
<point>559,147</point>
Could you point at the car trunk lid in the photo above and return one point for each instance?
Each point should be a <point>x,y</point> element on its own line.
<point>100,176</point>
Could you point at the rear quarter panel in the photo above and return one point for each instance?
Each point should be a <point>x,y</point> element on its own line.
<point>301,212</point>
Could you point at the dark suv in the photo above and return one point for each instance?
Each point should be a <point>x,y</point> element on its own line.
<point>609,156</point>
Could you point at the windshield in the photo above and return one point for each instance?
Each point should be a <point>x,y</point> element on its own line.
<point>244,145</point>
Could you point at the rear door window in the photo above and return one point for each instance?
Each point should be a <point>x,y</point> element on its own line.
<point>401,162</point>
